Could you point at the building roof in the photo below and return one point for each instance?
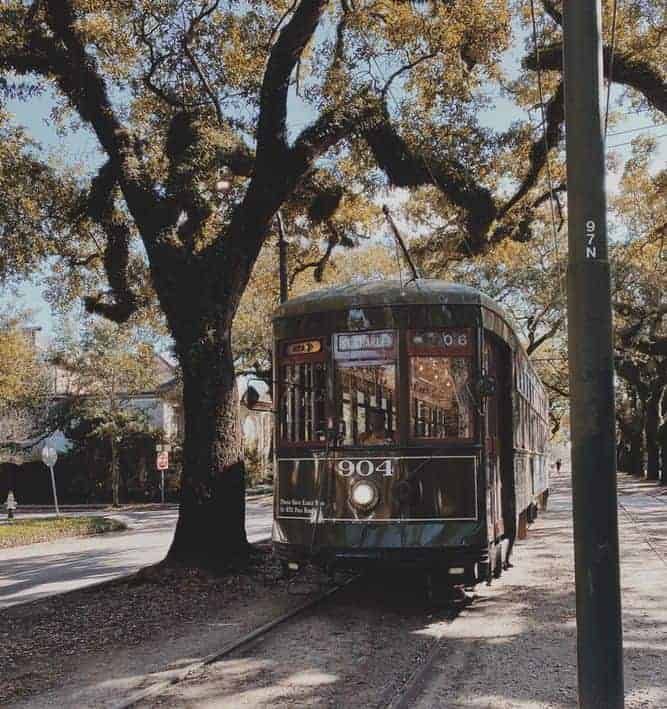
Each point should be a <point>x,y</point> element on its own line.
<point>424,291</point>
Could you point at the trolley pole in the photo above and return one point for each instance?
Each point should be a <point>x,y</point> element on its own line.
<point>599,631</point>
<point>282,258</point>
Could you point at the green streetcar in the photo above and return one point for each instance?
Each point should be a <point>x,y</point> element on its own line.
<point>411,429</point>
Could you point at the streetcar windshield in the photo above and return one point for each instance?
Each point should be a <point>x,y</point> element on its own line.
<point>440,398</point>
<point>366,396</point>
<point>366,387</point>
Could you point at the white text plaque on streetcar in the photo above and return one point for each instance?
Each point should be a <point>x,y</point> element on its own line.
<point>361,345</point>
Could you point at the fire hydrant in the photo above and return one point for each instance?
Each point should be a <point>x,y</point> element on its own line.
<point>10,504</point>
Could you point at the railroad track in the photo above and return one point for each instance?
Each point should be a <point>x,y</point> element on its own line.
<point>191,670</point>
<point>404,696</point>
<point>399,694</point>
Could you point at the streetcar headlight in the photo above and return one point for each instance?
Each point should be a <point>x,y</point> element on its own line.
<point>364,495</point>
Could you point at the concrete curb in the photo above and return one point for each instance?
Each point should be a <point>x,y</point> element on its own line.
<point>138,507</point>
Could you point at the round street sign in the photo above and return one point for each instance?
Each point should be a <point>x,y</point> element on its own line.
<point>49,456</point>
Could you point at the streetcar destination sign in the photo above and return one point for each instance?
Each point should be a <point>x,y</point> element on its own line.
<point>366,341</point>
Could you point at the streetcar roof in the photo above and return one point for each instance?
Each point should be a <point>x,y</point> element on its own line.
<point>378,293</point>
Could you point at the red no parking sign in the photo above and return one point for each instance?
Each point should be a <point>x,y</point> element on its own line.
<point>162,460</point>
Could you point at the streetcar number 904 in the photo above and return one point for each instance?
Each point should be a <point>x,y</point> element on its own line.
<point>364,468</point>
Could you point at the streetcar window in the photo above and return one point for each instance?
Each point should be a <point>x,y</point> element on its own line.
<point>302,409</point>
<point>366,399</point>
<point>441,401</point>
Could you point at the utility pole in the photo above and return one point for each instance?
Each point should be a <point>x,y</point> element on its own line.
<point>599,631</point>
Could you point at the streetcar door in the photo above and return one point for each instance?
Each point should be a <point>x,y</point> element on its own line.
<point>499,438</point>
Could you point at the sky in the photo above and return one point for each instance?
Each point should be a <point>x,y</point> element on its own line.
<point>79,147</point>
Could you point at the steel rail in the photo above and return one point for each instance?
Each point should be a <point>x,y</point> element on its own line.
<point>189,671</point>
<point>404,697</point>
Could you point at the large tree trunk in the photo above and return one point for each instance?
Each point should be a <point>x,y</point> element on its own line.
<point>211,524</point>
<point>652,425</point>
<point>631,425</point>
<point>636,456</point>
<point>662,444</point>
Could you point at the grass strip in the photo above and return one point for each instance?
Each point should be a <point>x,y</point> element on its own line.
<point>30,531</point>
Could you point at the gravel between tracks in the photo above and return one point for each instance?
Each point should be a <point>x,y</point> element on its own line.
<point>360,645</point>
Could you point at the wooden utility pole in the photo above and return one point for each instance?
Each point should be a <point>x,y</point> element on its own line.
<point>599,631</point>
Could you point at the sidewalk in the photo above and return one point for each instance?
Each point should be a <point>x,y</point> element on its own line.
<point>516,645</point>
<point>35,571</point>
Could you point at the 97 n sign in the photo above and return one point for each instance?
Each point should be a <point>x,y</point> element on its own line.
<point>365,467</point>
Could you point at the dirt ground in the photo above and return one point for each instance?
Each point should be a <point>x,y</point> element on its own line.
<point>89,648</point>
<point>514,646</point>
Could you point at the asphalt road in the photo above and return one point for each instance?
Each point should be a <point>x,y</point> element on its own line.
<point>38,570</point>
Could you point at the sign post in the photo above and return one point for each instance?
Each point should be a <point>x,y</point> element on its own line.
<point>49,458</point>
<point>162,464</point>
<point>599,631</point>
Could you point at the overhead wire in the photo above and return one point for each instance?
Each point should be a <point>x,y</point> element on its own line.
<point>554,231</point>
<point>610,72</point>
<point>639,130</point>
<point>387,84</point>
<point>630,142</point>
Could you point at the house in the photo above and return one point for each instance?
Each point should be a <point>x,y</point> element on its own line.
<point>164,409</point>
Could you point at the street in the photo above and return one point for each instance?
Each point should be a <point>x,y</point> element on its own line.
<point>38,570</point>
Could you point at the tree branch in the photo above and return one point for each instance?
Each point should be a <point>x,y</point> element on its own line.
<point>319,264</point>
<point>386,88</point>
<point>628,71</point>
<point>116,258</point>
<point>155,62</point>
<point>206,11</point>
<point>405,168</point>
<point>284,56</point>
<point>328,130</point>
<point>554,13</point>
<point>551,137</point>
<point>535,344</point>
<point>557,390</point>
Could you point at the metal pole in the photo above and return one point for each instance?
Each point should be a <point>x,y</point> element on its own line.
<point>599,631</point>
<point>282,258</point>
<point>399,238</point>
<point>55,494</point>
<point>162,487</point>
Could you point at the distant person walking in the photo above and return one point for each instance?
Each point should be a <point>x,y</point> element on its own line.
<point>559,462</point>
